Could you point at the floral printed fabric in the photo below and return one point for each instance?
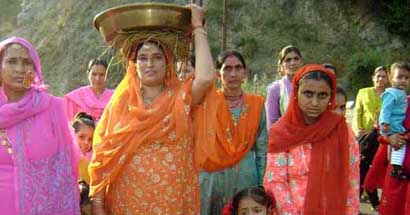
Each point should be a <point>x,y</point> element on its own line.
<point>218,188</point>
<point>287,172</point>
<point>159,179</point>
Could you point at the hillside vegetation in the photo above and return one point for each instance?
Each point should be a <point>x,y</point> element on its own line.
<point>353,35</point>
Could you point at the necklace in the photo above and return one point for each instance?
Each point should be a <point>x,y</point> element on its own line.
<point>233,101</point>
<point>149,100</point>
<point>5,141</point>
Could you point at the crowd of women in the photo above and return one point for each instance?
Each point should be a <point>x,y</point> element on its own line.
<point>162,145</point>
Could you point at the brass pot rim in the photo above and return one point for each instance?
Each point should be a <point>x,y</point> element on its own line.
<point>129,7</point>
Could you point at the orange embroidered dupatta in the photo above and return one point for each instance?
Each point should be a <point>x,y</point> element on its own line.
<point>233,140</point>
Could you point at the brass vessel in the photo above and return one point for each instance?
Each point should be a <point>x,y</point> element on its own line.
<point>118,22</point>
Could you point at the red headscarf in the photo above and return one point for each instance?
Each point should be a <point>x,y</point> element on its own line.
<point>328,171</point>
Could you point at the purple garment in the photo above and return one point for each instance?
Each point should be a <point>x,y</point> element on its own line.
<point>42,175</point>
<point>272,103</point>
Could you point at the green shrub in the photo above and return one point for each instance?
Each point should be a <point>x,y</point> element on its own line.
<point>360,67</point>
<point>396,17</point>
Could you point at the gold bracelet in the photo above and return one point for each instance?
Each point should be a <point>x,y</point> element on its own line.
<point>97,200</point>
<point>199,30</point>
<point>197,26</point>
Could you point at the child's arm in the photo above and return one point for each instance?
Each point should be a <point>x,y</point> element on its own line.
<point>385,128</point>
<point>385,113</point>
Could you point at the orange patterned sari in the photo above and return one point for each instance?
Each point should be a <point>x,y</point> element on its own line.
<point>144,154</point>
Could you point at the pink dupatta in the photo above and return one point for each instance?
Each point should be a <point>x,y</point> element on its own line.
<point>45,157</point>
<point>84,99</point>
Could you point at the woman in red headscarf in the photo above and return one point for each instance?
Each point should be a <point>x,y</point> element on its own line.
<point>316,168</point>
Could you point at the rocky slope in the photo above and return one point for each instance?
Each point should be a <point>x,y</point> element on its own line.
<point>334,31</point>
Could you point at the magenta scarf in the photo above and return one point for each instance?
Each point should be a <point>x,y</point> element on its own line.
<point>30,105</point>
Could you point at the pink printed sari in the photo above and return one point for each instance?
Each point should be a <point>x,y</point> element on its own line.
<point>42,169</point>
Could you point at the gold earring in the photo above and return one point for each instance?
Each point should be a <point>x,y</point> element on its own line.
<point>28,79</point>
<point>168,73</point>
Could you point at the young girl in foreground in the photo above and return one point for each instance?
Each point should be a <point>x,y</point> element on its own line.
<point>84,126</point>
<point>252,200</point>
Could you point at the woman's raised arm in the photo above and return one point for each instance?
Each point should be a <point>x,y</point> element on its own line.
<point>204,66</point>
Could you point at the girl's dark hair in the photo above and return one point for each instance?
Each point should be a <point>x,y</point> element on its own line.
<point>82,118</point>
<point>317,75</point>
<point>329,66</point>
<point>97,61</point>
<point>222,57</point>
<point>258,194</point>
<point>341,91</point>
<point>84,192</point>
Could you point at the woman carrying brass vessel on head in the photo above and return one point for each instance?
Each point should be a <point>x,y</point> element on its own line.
<point>144,159</point>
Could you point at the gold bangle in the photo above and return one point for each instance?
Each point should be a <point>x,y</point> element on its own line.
<point>199,30</point>
<point>97,200</point>
<point>197,26</point>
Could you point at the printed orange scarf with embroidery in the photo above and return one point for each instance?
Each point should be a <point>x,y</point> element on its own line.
<point>127,123</point>
<point>234,139</point>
